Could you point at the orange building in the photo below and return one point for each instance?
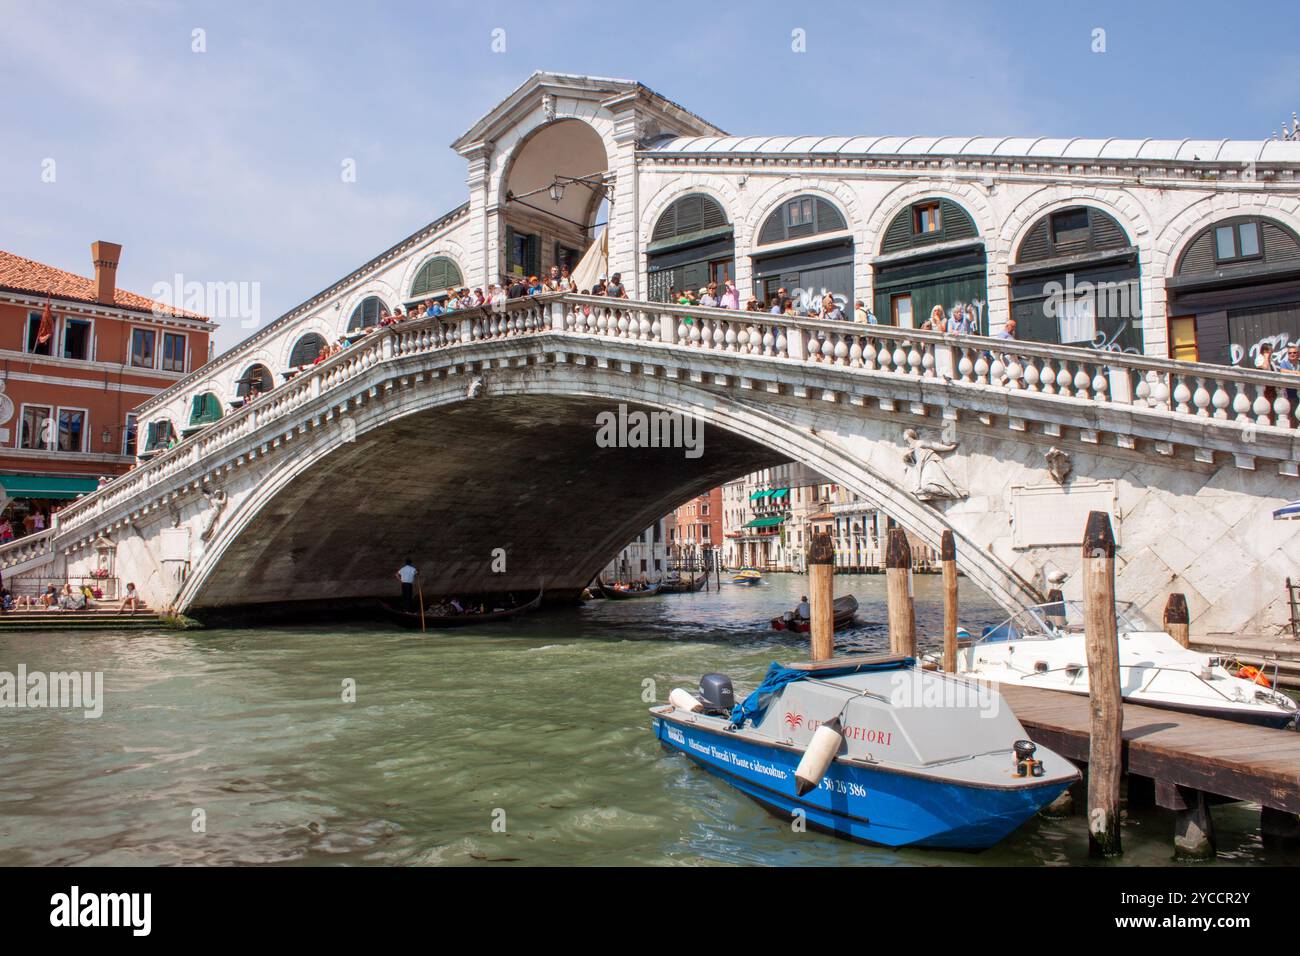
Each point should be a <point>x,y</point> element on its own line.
<point>698,527</point>
<point>70,381</point>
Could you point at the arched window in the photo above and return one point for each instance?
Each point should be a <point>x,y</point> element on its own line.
<point>690,247</point>
<point>257,377</point>
<point>1239,241</point>
<point>928,221</point>
<point>205,408</point>
<point>1073,231</point>
<point>367,313</point>
<point>306,349</point>
<point>688,216</point>
<point>1233,292</point>
<point>158,435</point>
<point>1077,281</point>
<point>437,274</point>
<point>799,218</point>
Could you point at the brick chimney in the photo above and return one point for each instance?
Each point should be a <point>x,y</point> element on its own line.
<point>105,256</point>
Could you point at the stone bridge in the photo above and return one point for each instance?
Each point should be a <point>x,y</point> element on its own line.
<point>469,442</point>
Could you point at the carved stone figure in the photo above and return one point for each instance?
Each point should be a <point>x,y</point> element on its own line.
<point>1059,465</point>
<point>216,505</point>
<point>548,107</point>
<point>476,387</point>
<point>930,479</point>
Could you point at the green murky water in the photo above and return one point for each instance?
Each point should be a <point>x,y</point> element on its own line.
<point>538,723</point>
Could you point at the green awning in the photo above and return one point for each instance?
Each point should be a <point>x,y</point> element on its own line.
<point>755,495</point>
<point>764,522</point>
<point>47,486</point>
<point>780,492</point>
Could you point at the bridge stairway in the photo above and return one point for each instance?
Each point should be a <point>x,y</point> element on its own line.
<point>92,619</point>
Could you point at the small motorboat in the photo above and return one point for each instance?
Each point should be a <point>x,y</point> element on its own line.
<point>440,619</point>
<point>680,585</point>
<point>873,749</point>
<point>616,592</point>
<point>749,576</point>
<point>842,609</point>
<point>1045,647</point>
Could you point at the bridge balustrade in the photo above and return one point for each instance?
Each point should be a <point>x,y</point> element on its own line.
<point>1245,398</point>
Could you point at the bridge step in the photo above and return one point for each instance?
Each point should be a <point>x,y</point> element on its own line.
<point>89,620</point>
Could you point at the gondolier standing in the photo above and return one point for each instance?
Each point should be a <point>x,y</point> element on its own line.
<point>406,574</point>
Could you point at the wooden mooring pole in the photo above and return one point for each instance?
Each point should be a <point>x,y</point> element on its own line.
<point>898,592</point>
<point>1105,705</point>
<point>948,557</point>
<point>1177,620</point>
<point>821,596</point>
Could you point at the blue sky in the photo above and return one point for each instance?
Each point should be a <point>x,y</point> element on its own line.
<point>224,165</point>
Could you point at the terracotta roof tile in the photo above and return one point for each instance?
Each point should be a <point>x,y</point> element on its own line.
<point>24,275</point>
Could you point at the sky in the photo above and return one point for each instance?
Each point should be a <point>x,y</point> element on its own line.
<point>211,139</point>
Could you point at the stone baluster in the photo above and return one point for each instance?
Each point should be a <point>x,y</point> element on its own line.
<point>855,352</point>
<point>1201,398</point>
<point>1262,407</point>
<point>965,367</point>
<point>868,353</point>
<point>1241,404</point>
<point>1282,408</point>
<point>1047,377</point>
<point>1182,395</point>
<point>1029,372</point>
<point>782,342</point>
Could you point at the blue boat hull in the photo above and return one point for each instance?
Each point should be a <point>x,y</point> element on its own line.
<point>863,803</point>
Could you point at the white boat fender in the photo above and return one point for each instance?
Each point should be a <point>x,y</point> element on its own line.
<point>685,700</point>
<point>825,744</point>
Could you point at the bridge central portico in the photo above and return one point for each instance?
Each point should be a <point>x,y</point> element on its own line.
<point>452,437</point>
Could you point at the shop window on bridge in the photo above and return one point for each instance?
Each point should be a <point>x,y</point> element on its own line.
<point>205,408</point>
<point>367,314</point>
<point>437,275</point>
<point>306,349</point>
<point>256,380</point>
<point>159,435</point>
<point>931,254</point>
<point>819,264</point>
<point>1236,287</point>
<point>524,253</point>
<point>1076,281</point>
<point>691,245</point>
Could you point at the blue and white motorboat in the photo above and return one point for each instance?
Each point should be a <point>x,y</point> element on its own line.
<point>873,749</point>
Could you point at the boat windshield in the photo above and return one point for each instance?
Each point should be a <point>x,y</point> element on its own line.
<point>1059,618</point>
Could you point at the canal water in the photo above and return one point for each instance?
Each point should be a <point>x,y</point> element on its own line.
<point>526,742</point>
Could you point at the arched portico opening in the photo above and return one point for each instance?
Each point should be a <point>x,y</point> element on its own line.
<point>554,202</point>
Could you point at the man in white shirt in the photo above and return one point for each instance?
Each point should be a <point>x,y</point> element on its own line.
<point>406,574</point>
<point>804,612</point>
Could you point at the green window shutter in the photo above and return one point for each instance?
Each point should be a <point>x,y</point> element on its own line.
<point>435,275</point>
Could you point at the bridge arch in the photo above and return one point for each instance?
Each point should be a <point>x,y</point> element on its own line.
<point>273,532</point>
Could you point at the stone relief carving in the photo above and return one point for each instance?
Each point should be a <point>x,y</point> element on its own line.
<point>930,479</point>
<point>548,107</point>
<point>476,387</point>
<point>1059,465</point>
<point>216,504</point>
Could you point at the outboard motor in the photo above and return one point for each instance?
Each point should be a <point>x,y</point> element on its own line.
<point>717,694</point>
<point>1026,764</point>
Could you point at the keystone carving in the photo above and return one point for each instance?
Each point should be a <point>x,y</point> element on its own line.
<point>1059,465</point>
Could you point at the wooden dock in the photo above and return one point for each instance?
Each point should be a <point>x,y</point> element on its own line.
<point>1183,754</point>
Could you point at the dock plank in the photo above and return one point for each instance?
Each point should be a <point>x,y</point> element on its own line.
<point>1229,759</point>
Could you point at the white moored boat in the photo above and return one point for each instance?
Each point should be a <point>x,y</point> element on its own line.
<point>1044,647</point>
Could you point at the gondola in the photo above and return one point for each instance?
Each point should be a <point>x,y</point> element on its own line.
<point>683,585</point>
<point>842,610</point>
<point>616,594</point>
<point>412,618</point>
